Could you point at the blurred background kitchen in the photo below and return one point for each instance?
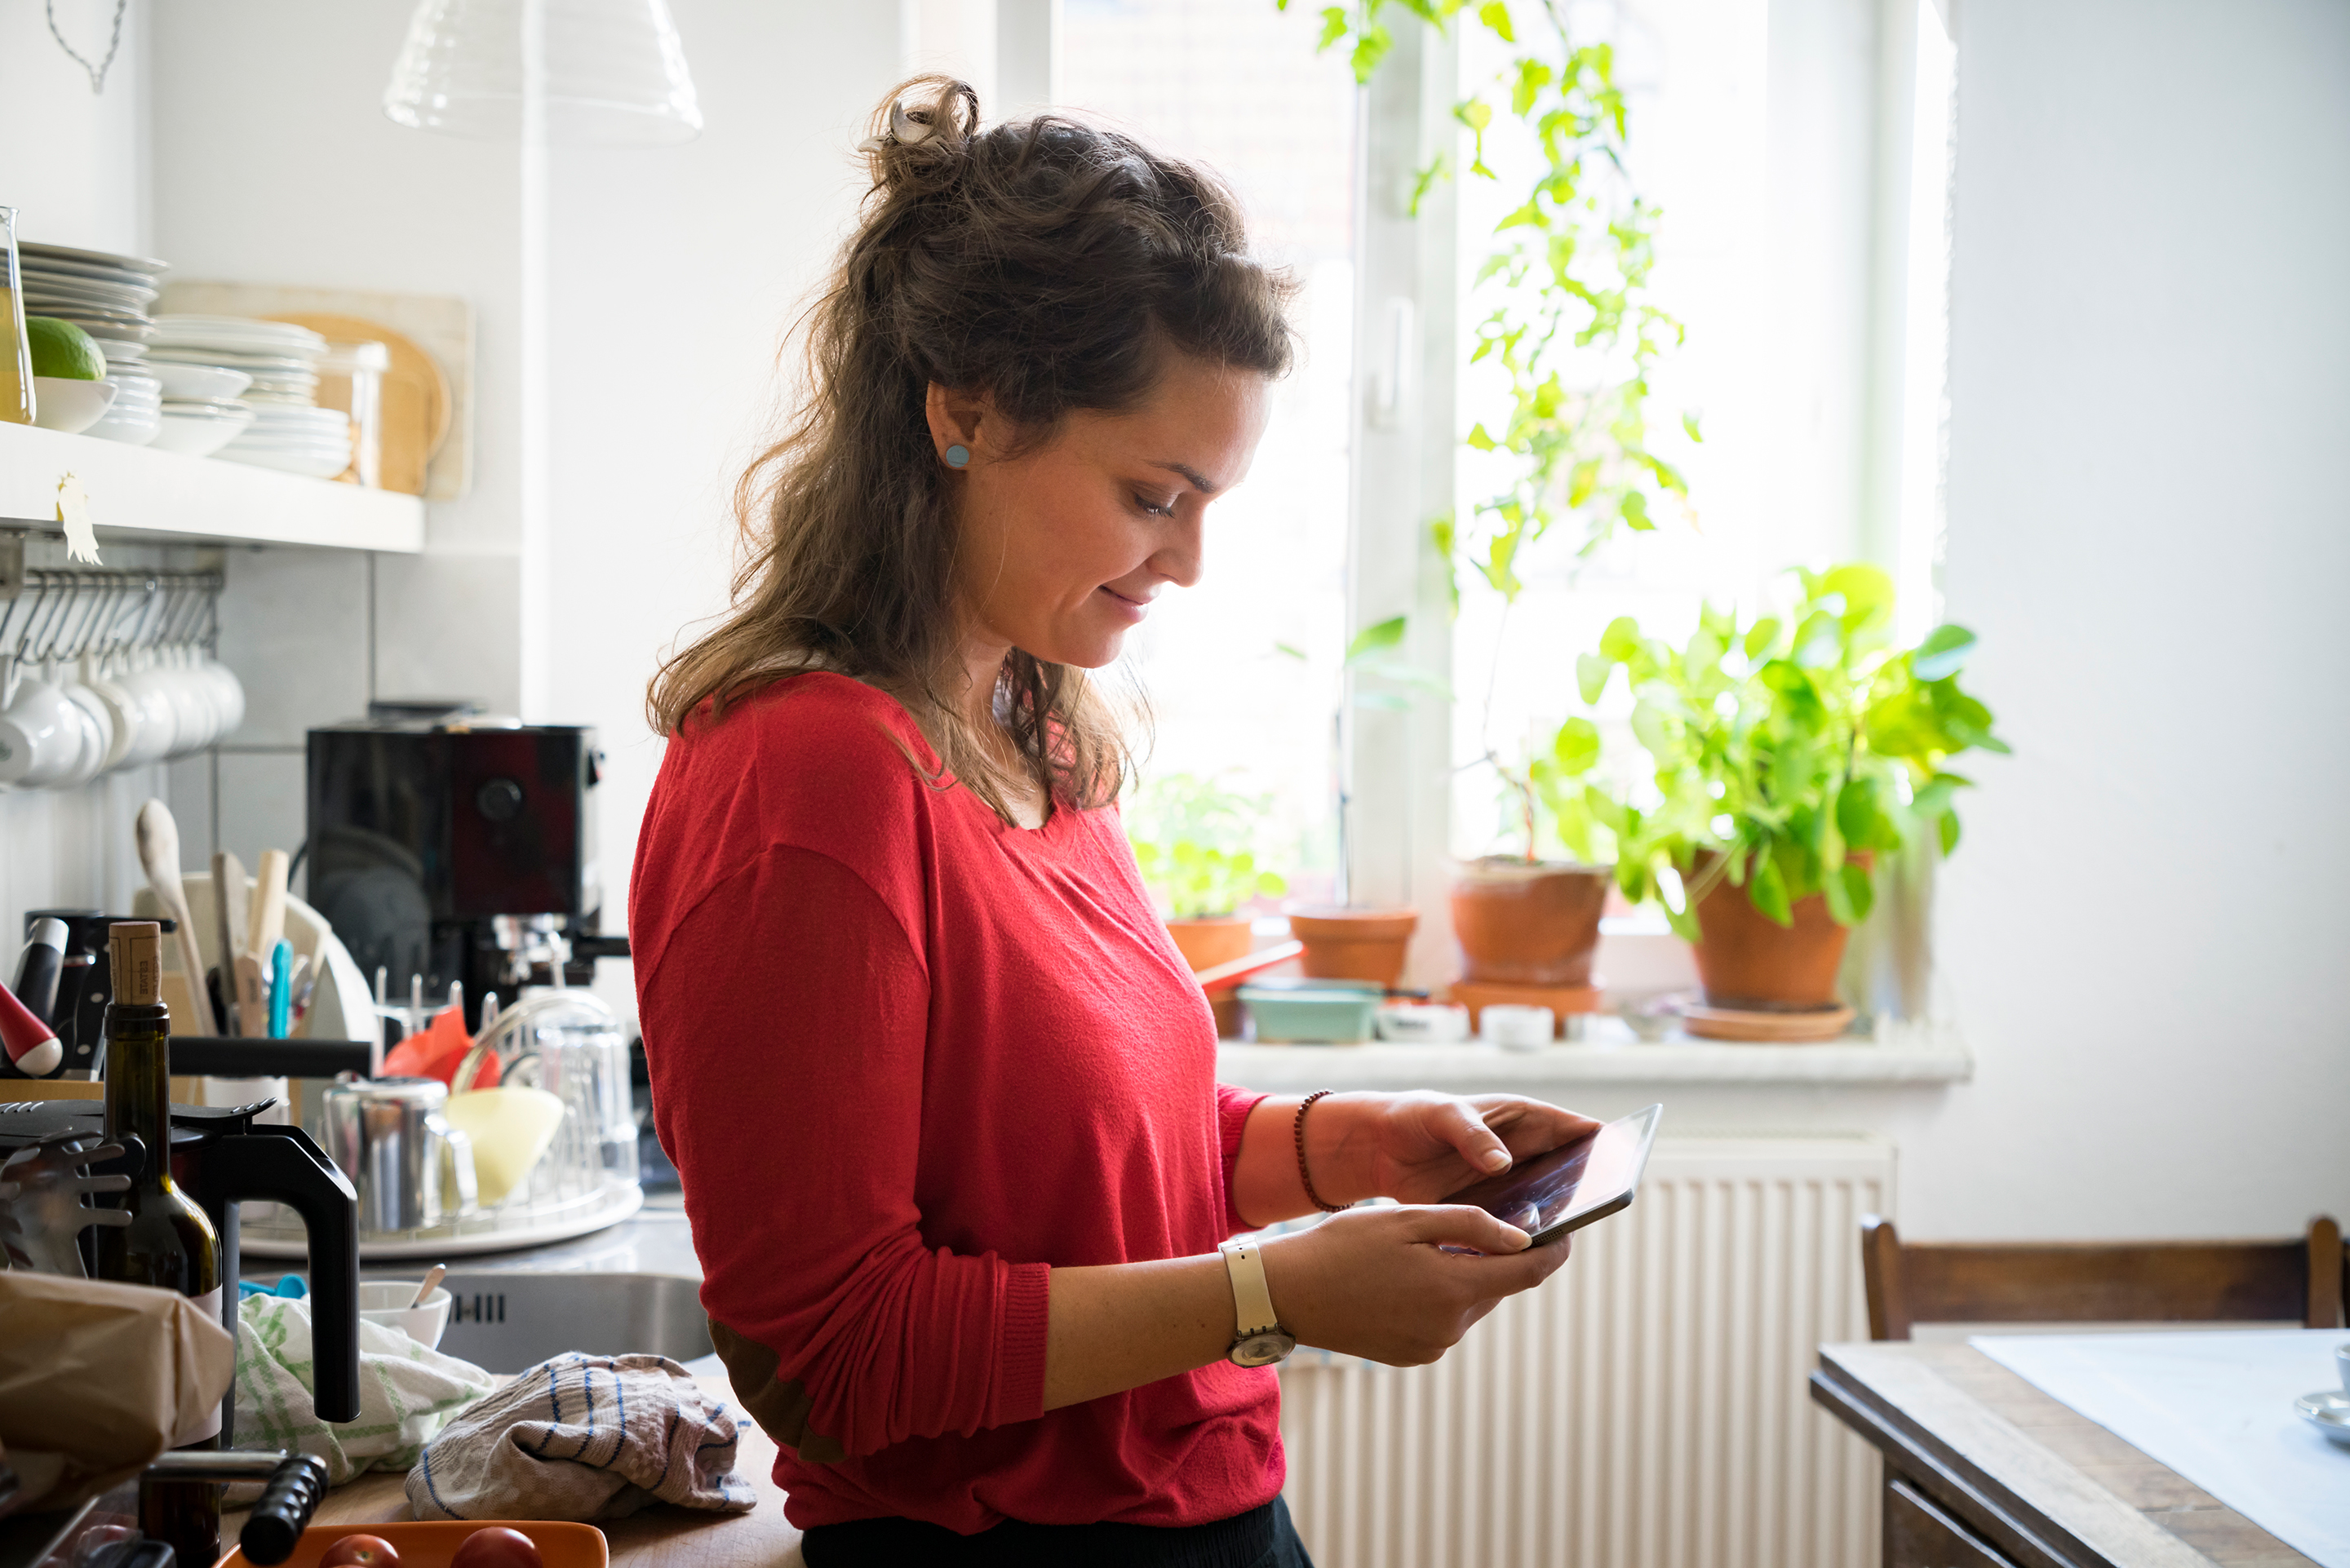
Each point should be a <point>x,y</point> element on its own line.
<point>2033,308</point>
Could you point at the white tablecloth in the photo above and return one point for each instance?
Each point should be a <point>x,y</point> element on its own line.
<point>2217,1407</point>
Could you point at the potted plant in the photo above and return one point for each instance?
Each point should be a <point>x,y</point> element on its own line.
<point>1527,922</point>
<point>1194,843</point>
<point>1345,941</point>
<point>1790,754</point>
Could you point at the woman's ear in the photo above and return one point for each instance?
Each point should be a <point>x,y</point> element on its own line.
<point>961,423</point>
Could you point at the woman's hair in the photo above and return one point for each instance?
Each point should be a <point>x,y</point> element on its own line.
<point>1047,265</point>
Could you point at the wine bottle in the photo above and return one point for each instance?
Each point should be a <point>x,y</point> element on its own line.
<point>170,1243</point>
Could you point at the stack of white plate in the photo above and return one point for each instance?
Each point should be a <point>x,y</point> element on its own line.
<point>106,296</point>
<point>200,412</point>
<point>280,363</point>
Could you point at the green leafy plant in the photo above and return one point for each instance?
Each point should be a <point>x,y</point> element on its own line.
<point>1787,751</point>
<point>1570,321</point>
<point>1372,652</point>
<point>1194,841</point>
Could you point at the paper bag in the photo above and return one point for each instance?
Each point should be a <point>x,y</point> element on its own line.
<point>97,1379</point>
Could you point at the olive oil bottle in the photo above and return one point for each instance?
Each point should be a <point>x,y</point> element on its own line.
<point>170,1243</point>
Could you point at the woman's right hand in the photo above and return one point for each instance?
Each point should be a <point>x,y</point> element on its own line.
<point>1376,1281</point>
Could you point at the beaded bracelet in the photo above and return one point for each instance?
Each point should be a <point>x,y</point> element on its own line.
<point>1298,1132</point>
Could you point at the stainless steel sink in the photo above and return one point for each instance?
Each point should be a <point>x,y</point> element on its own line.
<point>506,1322</point>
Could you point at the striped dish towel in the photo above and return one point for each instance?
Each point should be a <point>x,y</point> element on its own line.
<point>586,1438</point>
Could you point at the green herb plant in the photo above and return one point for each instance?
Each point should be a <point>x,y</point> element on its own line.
<point>1791,754</point>
<point>1570,322</point>
<point>1194,842</point>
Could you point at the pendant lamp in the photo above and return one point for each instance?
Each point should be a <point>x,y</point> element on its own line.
<point>606,73</point>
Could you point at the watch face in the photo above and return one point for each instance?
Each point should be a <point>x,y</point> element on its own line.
<point>1262,1348</point>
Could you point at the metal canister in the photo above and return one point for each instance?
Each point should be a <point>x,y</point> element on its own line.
<point>412,1168</point>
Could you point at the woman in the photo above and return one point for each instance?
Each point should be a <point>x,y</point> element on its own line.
<point>939,1087</point>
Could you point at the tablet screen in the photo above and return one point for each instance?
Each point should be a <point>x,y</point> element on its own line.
<point>1573,1184</point>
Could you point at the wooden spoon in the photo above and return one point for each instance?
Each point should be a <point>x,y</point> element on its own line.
<point>229,898</point>
<point>158,852</point>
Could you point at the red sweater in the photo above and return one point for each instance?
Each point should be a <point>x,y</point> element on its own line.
<point>907,1059</point>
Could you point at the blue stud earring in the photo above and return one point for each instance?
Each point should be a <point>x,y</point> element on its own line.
<point>958,456</point>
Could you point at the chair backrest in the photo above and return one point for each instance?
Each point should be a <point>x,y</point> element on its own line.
<point>2139,1281</point>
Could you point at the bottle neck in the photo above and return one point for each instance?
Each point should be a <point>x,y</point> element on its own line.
<point>139,1084</point>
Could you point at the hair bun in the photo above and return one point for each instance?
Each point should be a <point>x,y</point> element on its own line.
<point>921,131</point>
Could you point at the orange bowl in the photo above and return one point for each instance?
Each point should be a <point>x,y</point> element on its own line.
<point>431,1544</point>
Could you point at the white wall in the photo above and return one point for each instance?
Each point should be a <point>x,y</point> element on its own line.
<point>2150,529</point>
<point>74,162</point>
<point>674,274</point>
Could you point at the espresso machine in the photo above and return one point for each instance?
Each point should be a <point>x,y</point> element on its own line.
<point>448,846</point>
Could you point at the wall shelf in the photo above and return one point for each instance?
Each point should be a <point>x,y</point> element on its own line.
<point>1473,1069</point>
<point>139,494</point>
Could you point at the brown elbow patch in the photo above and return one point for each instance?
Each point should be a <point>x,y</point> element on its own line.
<point>780,1407</point>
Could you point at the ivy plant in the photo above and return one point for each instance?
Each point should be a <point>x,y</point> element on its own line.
<point>1570,321</point>
<point>1194,843</point>
<point>1791,754</point>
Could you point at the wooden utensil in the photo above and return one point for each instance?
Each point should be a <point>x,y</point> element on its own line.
<point>432,1277</point>
<point>264,926</point>
<point>159,854</point>
<point>230,901</point>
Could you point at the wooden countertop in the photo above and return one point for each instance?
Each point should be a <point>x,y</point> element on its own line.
<point>2039,1482</point>
<point>662,1536</point>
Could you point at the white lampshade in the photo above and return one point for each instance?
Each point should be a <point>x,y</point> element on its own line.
<point>607,72</point>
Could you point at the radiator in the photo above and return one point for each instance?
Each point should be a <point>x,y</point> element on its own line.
<point>1645,1408</point>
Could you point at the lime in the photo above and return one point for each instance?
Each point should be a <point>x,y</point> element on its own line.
<point>61,349</point>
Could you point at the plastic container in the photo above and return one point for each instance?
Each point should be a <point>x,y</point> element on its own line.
<point>1312,1011</point>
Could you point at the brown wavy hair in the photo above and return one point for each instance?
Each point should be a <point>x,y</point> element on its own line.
<point>1050,265</point>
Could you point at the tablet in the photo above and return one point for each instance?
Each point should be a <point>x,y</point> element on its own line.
<point>1573,1184</point>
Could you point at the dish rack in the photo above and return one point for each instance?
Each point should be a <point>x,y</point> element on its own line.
<point>570,1044</point>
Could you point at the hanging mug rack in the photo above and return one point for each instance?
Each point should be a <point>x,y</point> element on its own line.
<point>106,669</point>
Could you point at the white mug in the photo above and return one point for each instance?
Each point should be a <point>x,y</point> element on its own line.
<point>123,712</point>
<point>41,733</point>
<point>97,723</point>
<point>152,725</point>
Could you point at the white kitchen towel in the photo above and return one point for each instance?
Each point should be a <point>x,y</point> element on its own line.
<point>406,1391</point>
<point>586,1438</point>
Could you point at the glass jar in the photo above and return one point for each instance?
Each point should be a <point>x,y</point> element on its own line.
<point>16,353</point>
<point>350,378</point>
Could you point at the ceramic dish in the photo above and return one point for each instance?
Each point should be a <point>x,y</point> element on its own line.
<point>130,426</point>
<point>385,1303</point>
<point>309,465</point>
<point>190,382</point>
<point>71,406</point>
<point>197,435</point>
<point>2327,1411</point>
<point>118,352</point>
<point>68,256</point>
<point>1312,1011</point>
<point>431,1544</point>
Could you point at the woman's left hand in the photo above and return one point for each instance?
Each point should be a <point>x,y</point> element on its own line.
<point>1423,1147</point>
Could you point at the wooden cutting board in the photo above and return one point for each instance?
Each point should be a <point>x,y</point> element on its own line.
<point>416,403</point>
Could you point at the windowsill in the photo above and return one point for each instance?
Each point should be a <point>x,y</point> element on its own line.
<point>1485,1069</point>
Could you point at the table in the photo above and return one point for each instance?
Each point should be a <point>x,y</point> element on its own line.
<point>1984,1470</point>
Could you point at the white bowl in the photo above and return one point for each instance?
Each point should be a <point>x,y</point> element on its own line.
<point>385,1304</point>
<point>194,383</point>
<point>198,435</point>
<point>132,427</point>
<point>60,403</point>
<point>310,465</point>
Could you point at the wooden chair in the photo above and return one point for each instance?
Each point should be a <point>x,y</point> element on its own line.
<point>2141,1281</point>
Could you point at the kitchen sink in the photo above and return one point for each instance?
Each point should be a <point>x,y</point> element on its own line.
<point>506,1322</point>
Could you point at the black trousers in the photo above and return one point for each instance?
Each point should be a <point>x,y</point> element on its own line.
<point>1261,1538</point>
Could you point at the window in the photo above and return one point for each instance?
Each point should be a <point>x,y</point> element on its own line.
<point>1235,85</point>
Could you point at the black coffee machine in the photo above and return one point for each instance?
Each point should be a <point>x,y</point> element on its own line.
<point>222,1157</point>
<point>450,847</point>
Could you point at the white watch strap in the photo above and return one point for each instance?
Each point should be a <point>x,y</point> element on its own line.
<point>1251,1302</point>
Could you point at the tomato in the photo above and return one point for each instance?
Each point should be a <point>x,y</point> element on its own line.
<point>360,1552</point>
<point>496,1547</point>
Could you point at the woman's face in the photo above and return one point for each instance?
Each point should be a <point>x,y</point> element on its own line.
<point>1064,545</point>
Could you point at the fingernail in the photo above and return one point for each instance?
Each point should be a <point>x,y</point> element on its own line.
<point>1497,1158</point>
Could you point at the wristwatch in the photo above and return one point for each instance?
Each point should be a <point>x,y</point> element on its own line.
<point>1262,1341</point>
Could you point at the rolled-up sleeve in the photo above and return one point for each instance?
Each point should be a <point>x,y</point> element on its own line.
<point>1232,1107</point>
<point>784,1030</point>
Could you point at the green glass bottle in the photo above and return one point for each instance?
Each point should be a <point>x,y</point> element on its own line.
<point>170,1243</point>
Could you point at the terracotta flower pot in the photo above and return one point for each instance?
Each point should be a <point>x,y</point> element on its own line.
<point>1528,922</point>
<point>1354,944</point>
<point>1205,944</point>
<point>1749,961</point>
